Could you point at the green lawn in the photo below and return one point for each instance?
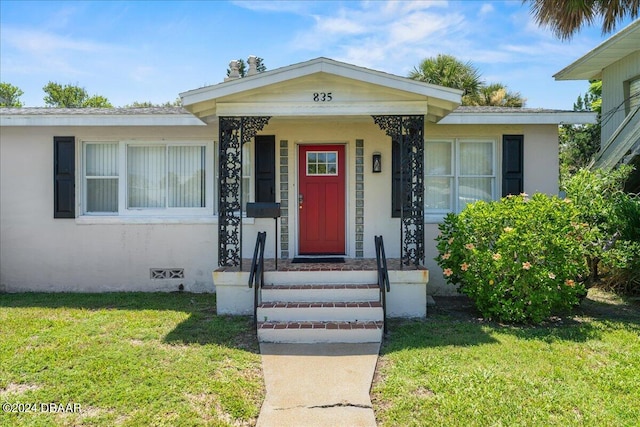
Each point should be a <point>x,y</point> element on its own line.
<point>137,359</point>
<point>128,359</point>
<point>454,369</point>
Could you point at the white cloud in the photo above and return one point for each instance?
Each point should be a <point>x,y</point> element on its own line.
<point>339,25</point>
<point>36,42</point>
<point>486,9</point>
<point>297,7</point>
<point>377,34</point>
<point>418,27</point>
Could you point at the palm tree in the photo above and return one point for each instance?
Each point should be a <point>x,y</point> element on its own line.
<point>497,95</point>
<point>446,70</point>
<point>566,17</point>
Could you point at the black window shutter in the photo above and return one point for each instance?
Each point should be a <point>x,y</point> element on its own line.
<point>64,179</point>
<point>265,160</point>
<point>512,164</point>
<point>396,185</point>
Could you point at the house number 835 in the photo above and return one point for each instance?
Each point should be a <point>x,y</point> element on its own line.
<point>322,96</point>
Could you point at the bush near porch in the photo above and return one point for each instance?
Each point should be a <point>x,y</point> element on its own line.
<point>519,259</point>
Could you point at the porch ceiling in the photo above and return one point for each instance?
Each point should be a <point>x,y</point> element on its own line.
<point>321,87</point>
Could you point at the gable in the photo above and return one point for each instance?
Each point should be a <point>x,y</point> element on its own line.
<point>321,87</point>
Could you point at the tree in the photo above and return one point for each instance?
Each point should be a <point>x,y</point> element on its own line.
<point>447,70</point>
<point>10,95</point>
<point>565,18</point>
<point>147,104</point>
<point>72,96</point>
<point>579,143</point>
<point>497,95</point>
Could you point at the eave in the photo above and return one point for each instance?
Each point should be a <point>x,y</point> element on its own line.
<point>92,117</point>
<point>519,117</point>
<point>590,66</point>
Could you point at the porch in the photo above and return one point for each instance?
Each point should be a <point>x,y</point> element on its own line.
<point>349,264</point>
<point>322,302</point>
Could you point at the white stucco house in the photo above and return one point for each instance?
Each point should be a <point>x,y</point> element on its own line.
<point>617,63</point>
<point>148,199</point>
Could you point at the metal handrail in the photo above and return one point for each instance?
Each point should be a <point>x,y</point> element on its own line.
<point>383,277</point>
<point>256,274</point>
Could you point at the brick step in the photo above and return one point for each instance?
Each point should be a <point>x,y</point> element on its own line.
<point>320,311</point>
<point>327,304</point>
<point>320,332</point>
<point>328,277</point>
<point>320,286</point>
<point>320,292</point>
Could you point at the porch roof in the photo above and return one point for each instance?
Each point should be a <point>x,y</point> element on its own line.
<point>355,91</point>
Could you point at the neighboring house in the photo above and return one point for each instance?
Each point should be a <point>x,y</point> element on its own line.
<point>147,199</point>
<point>617,63</point>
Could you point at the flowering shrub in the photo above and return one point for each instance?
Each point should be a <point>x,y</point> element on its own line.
<point>518,259</point>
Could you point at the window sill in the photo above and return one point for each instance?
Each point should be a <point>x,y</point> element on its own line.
<point>178,220</point>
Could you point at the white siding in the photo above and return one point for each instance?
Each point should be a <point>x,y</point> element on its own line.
<point>613,92</point>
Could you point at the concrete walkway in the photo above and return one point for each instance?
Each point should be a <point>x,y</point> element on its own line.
<point>318,384</point>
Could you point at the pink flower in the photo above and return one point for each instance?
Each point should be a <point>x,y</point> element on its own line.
<point>448,272</point>
<point>524,194</point>
<point>450,241</point>
<point>526,265</point>
<point>569,282</point>
<point>552,276</point>
<point>446,256</point>
<point>496,256</point>
<point>464,266</point>
<point>469,246</point>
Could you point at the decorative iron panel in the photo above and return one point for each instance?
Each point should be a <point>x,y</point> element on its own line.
<point>409,132</point>
<point>234,132</point>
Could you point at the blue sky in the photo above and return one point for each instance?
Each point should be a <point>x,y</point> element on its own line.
<point>152,51</point>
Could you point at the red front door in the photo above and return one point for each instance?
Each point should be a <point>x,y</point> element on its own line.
<point>321,199</point>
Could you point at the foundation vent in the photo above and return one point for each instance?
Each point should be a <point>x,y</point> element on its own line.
<point>167,273</point>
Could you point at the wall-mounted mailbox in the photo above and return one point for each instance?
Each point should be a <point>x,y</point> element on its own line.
<point>263,210</point>
<point>266,210</point>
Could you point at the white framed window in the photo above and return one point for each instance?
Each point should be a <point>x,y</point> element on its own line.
<point>322,163</point>
<point>458,172</point>
<point>133,178</point>
<point>101,177</point>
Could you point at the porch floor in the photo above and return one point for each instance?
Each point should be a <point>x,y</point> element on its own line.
<point>350,264</point>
